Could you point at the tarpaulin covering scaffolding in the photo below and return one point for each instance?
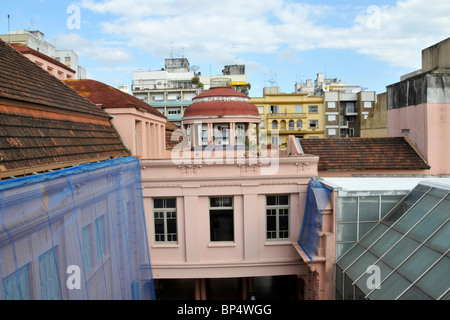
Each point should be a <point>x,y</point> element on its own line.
<point>75,234</point>
<point>317,199</point>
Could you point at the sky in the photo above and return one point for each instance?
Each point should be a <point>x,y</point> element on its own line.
<point>281,42</point>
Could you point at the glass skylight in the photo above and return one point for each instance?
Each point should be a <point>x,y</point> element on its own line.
<point>405,255</point>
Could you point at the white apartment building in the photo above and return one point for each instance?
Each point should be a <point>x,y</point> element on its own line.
<point>169,90</point>
<point>36,40</point>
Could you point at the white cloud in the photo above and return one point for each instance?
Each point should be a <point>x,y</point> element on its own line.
<point>100,51</point>
<point>221,31</point>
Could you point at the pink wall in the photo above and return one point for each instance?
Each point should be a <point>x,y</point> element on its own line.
<point>53,69</point>
<point>429,126</point>
<point>151,132</point>
<point>251,254</point>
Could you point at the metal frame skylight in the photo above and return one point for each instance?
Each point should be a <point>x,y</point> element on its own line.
<point>392,226</point>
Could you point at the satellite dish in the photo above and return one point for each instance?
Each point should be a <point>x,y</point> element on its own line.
<point>194,68</point>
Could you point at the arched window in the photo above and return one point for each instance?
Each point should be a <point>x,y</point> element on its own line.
<point>274,124</point>
<point>291,124</point>
<point>299,124</point>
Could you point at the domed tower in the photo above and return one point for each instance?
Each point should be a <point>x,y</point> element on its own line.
<point>220,116</point>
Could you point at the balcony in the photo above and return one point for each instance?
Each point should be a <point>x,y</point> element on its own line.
<point>350,111</point>
<point>298,131</point>
<point>286,115</point>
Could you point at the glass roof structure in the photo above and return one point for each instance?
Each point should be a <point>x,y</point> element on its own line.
<point>406,255</point>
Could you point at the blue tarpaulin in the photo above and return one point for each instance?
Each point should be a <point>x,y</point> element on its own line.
<point>75,234</point>
<point>317,199</point>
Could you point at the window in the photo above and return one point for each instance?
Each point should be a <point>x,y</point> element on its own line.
<point>291,124</point>
<point>221,218</point>
<point>165,219</point>
<point>350,107</point>
<point>275,140</point>
<point>299,124</point>
<point>48,276</point>
<point>261,110</point>
<point>313,123</point>
<point>277,217</point>
<point>16,286</point>
<point>174,111</point>
<point>332,105</point>
<point>313,109</point>
<point>274,109</point>
<point>100,237</point>
<point>86,250</point>
<point>367,104</point>
<point>299,108</point>
<point>331,132</point>
<point>331,117</point>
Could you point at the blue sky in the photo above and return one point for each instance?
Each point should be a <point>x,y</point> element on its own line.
<point>367,43</point>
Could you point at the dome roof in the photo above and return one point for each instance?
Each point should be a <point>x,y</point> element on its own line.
<point>221,101</point>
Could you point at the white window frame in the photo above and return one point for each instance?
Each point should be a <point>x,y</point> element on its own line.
<point>313,109</point>
<point>165,214</point>
<point>224,208</point>
<point>278,211</point>
<point>316,122</point>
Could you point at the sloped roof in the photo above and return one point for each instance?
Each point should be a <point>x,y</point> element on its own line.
<point>409,247</point>
<point>108,97</point>
<point>44,124</point>
<point>364,153</point>
<point>221,104</point>
<point>22,80</point>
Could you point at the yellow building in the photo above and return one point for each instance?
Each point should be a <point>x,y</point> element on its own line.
<point>290,114</point>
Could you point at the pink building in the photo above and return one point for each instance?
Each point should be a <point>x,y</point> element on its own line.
<point>224,212</point>
<point>418,107</point>
<point>52,66</point>
<point>141,127</point>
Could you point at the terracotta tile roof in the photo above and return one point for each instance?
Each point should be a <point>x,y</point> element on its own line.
<point>108,97</point>
<point>221,108</point>
<point>23,80</point>
<point>175,133</point>
<point>364,153</point>
<point>27,141</point>
<point>44,123</point>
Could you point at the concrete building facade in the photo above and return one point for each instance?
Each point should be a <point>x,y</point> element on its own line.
<point>300,115</point>
<point>36,41</point>
<point>169,90</point>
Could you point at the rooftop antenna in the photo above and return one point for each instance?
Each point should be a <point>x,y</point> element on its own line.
<point>9,29</point>
<point>272,81</point>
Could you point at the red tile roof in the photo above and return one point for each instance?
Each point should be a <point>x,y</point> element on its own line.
<point>221,108</point>
<point>46,124</point>
<point>22,80</point>
<point>108,97</point>
<point>364,153</point>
